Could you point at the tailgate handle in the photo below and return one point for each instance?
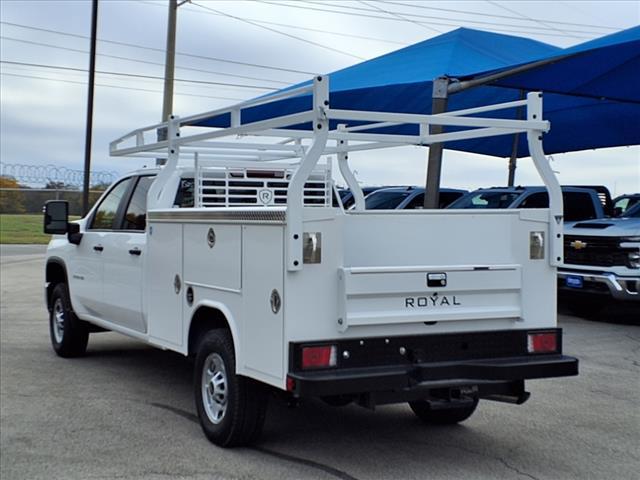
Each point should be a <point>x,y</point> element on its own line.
<point>436,279</point>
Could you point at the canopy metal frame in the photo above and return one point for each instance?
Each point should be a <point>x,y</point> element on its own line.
<point>354,130</point>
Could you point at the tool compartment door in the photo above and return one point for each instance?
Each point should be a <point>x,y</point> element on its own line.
<point>262,277</point>
<point>164,284</point>
<point>392,295</point>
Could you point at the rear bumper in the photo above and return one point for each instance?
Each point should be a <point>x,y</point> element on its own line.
<point>602,283</point>
<point>426,376</point>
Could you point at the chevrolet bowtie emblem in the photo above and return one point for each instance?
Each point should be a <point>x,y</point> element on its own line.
<point>578,244</point>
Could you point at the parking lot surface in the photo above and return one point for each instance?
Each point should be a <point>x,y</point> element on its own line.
<point>126,411</point>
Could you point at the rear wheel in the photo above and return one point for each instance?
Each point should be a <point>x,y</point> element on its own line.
<point>443,416</point>
<point>231,408</point>
<point>69,334</point>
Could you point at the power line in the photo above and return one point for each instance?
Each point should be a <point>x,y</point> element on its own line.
<point>481,14</point>
<point>81,76</point>
<point>401,17</point>
<point>541,22</point>
<point>494,26</point>
<point>255,24</point>
<point>129,59</point>
<point>295,27</point>
<point>143,47</point>
<point>116,86</point>
<point>133,75</point>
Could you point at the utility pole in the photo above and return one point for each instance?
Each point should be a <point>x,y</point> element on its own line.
<point>89,127</point>
<point>169,69</point>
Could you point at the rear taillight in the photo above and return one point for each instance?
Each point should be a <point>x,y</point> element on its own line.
<point>291,384</point>
<point>319,356</point>
<point>544,342</point>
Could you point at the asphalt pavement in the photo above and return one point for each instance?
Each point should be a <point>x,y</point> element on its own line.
<point>126,411</point>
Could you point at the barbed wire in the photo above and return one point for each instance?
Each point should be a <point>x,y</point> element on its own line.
<point>43,174</point>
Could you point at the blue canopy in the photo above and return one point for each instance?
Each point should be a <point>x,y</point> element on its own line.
<point>592,93</point>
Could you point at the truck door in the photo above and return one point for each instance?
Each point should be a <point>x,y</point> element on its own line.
<point>86,272</point>
<point>123,256</point>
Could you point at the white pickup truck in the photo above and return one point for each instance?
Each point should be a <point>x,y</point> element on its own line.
<point>240,260</point>
<point>602,262</point>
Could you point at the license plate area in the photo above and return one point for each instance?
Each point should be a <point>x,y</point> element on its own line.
<point>574,281</point>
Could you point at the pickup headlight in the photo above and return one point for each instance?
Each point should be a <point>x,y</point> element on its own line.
<point>634,255</point>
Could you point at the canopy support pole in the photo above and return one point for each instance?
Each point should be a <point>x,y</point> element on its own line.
<point>514,147</point>
<point>439,101</point>
<point>439,105</point>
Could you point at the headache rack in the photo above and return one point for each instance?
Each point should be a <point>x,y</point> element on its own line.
<point>243,134</point>
<point>251,185</point>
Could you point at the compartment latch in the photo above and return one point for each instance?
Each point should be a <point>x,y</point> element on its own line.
<point>436,279</point>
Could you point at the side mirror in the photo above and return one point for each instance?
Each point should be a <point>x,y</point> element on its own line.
<point>56,217</point>
<point>56,221</point>
<point>73,233</point>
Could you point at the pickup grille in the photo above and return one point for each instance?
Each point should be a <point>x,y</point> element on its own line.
<point>596,251</point>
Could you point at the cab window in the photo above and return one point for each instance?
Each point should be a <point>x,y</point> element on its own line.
<point>106,216</point>
<point>184,195</point>
<point>536,200</point>
<point>136,215</point>
<point>384,200</point>
<point>578,206</point>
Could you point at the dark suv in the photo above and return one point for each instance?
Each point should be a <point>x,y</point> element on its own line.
<point>579,203</point>
<point>407,198</point>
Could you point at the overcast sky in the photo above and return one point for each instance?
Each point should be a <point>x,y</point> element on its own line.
<point>230,43</point>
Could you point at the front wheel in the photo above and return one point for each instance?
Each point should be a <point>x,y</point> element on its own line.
<point>69,334</point>
<point>231,408</point>
<point>443,416</point>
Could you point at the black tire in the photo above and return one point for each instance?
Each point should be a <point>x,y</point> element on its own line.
<point>69,334</point>
<point>231,408</point>
<point>442,416</point>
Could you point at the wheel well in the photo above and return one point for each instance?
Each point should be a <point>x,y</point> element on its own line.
<point>203,320</point>
<point>55,274</point>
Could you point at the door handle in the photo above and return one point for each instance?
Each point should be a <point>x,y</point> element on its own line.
<point>98,248</point>
<point>135,251</point>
